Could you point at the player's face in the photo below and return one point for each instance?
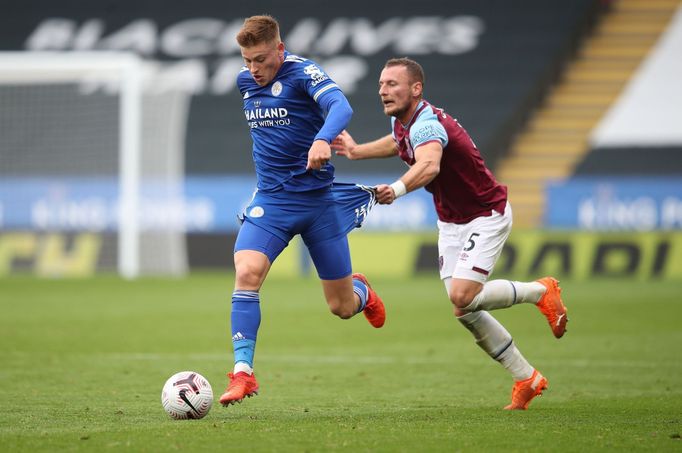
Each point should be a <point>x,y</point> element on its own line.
<point>264,60</point>
<point>397,93</point>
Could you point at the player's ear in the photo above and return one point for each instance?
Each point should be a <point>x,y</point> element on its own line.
<point>280,50</point>
<point>417,89</point>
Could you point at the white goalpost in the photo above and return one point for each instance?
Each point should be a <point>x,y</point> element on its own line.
<point>92,121</point>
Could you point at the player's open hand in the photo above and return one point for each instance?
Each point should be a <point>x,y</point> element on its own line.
<point>318,155</point>
<point>344,145</point>
<point>385,194</point>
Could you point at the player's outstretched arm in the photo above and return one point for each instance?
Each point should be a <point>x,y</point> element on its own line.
<point>344,145</point>
<point>425,169</point>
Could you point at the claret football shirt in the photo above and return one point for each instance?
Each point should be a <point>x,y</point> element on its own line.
<point>464,189</point>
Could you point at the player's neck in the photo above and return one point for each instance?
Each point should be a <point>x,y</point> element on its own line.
<point>406,118</point>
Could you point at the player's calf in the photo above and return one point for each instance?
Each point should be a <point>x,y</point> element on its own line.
<point>343,311</point>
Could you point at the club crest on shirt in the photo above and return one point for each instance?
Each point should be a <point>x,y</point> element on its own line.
<point>256,212</point>
<point>276,88</point>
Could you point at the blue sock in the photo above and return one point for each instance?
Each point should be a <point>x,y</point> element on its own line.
<point>361,290</point>
<point>245,323</point>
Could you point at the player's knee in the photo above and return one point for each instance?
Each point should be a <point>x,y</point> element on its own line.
<point>249,275</point>
<point>461,299</point>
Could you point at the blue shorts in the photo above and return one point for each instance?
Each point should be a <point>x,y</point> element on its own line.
<point>322,217</point>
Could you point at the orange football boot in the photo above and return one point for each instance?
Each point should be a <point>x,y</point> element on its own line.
<point>374,308</point>
<point>552,307</point>
<point>241,385</point>
<point>524,391</point>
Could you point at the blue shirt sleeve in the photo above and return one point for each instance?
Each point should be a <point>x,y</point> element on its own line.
<point>329,97</point>
<point>339,113</point>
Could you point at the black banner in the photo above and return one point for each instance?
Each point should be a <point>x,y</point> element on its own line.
<point>486,62</point>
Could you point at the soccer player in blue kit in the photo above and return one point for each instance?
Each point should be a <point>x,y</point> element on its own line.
<point>294,111</point>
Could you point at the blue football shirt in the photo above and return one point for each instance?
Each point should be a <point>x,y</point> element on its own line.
<point>284,117</point>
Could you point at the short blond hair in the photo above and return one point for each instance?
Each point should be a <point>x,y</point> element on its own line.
<point>257,30</point>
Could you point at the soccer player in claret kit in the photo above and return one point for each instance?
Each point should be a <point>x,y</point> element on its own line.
<point>474,215</point>
<point>294,111</point>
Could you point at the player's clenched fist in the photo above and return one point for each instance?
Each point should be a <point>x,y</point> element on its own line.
<point>385,194</point>
<point>318,155</point>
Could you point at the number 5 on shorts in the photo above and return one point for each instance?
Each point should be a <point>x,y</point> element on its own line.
<point>471,243</point>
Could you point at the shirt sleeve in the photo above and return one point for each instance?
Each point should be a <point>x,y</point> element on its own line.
<point>315,80</point>
<point>426,130</point>
<point>327,94</point>
<point>241,80</point>
<point>338,111</point>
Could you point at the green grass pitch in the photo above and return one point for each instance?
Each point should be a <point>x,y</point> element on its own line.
<point>83,363</point>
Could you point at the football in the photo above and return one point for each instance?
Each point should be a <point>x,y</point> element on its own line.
<point>187,394</point>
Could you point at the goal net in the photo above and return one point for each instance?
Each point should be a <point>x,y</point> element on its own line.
<point>93,143</point>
